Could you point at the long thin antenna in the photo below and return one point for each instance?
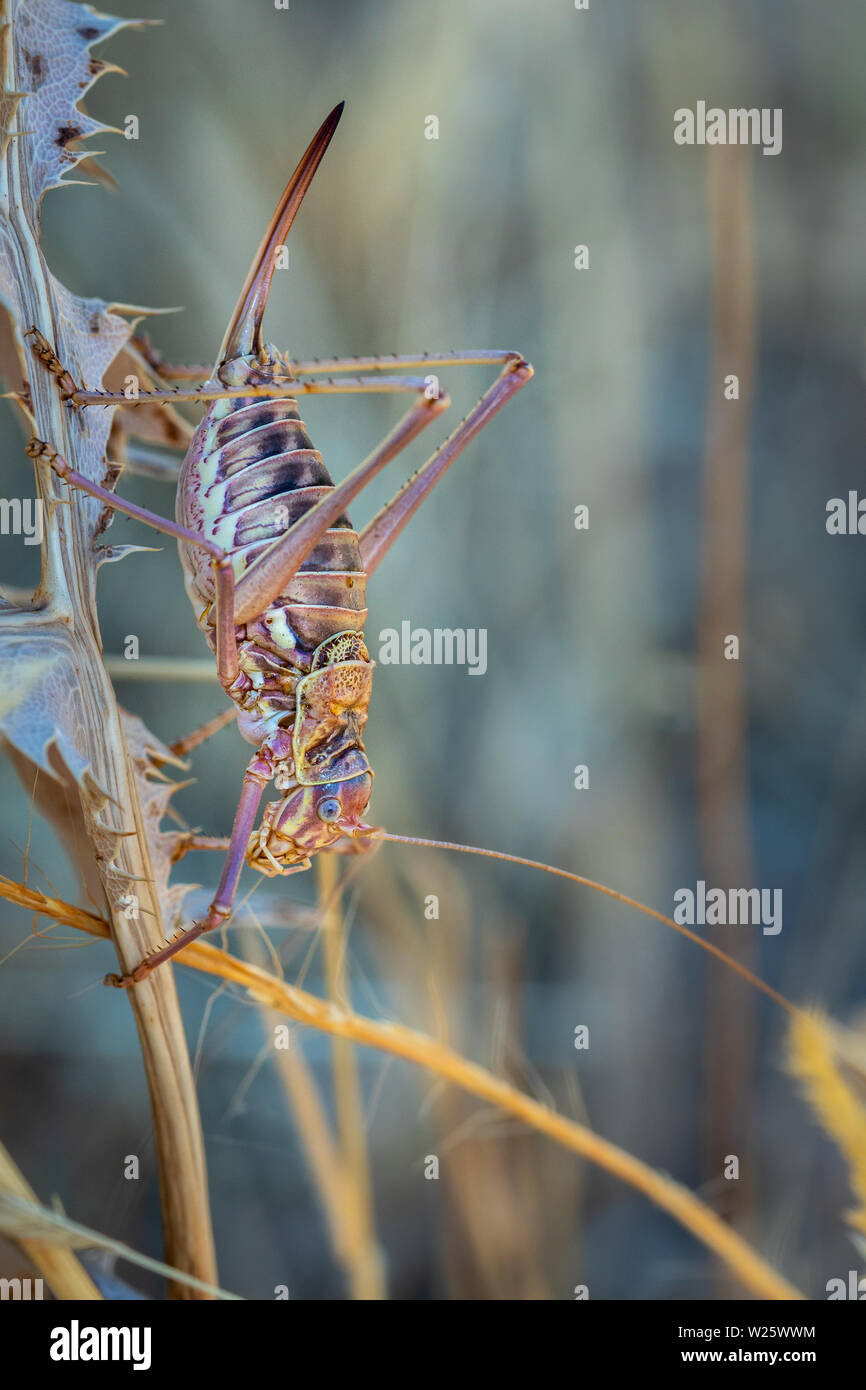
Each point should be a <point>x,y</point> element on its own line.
<point>598,888</point>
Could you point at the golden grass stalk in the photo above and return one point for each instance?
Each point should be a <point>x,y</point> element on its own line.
<point>314,1130</point>
<point>30,1224</point>
<point>399,1041</point>
<point>812,1058</point>
<point>361,1253</point>
<point>443,1061</point>
<point>51,643</point>
<point>730,1014</point>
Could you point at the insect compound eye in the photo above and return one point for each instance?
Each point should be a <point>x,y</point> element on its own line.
<point>329,809</point>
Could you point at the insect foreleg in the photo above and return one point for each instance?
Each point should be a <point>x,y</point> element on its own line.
<point>38,449</point>
<point>212,391</point>
<point>390,361</point>
<point>256,778</point>
<point>280,389</point>
<point>380,534</point>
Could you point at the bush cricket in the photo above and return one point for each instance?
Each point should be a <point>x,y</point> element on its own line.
<point>273,567</point>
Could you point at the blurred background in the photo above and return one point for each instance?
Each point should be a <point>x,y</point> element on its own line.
<point>605,645</point>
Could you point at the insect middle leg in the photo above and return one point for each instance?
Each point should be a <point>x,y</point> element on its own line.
<point>224,577</point>
<point>256,778</point>
<point>182,746</point>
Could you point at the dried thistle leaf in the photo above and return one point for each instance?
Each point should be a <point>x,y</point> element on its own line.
<point>53,69</point>
<point>58,714</point>
<point>155,424</point>
<point>155,790</point>
<point>45,683</point>
<point>47,66</point>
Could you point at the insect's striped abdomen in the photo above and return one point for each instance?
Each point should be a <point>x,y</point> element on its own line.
<point>250,473</point>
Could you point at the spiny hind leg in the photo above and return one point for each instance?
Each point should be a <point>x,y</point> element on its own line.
<point>150,463</point>
<point>223,571</point>
<point>278,564</point>
<point>324,366</point>
<point>380,534</point>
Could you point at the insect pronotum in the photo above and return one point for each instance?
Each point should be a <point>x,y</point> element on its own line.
<point>273,567</point>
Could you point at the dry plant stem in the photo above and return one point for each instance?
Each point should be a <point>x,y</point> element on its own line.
<point>62,1271</point>
<point>187,1230</point>
<point>124,860</point>
<point>399,1041</point>
<point>729,1030</point>
<point>161,668</point>
<point>363,1258</point>
<point>63,624</point>
<point>305,1104</point>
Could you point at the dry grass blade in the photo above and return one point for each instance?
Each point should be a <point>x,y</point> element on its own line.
<point>313,1125</point>
<point>443,1061</point>
<point>59,720</point>
<point>363,1258</point>
<point>32,1225</point>
<point>394,1038</point>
